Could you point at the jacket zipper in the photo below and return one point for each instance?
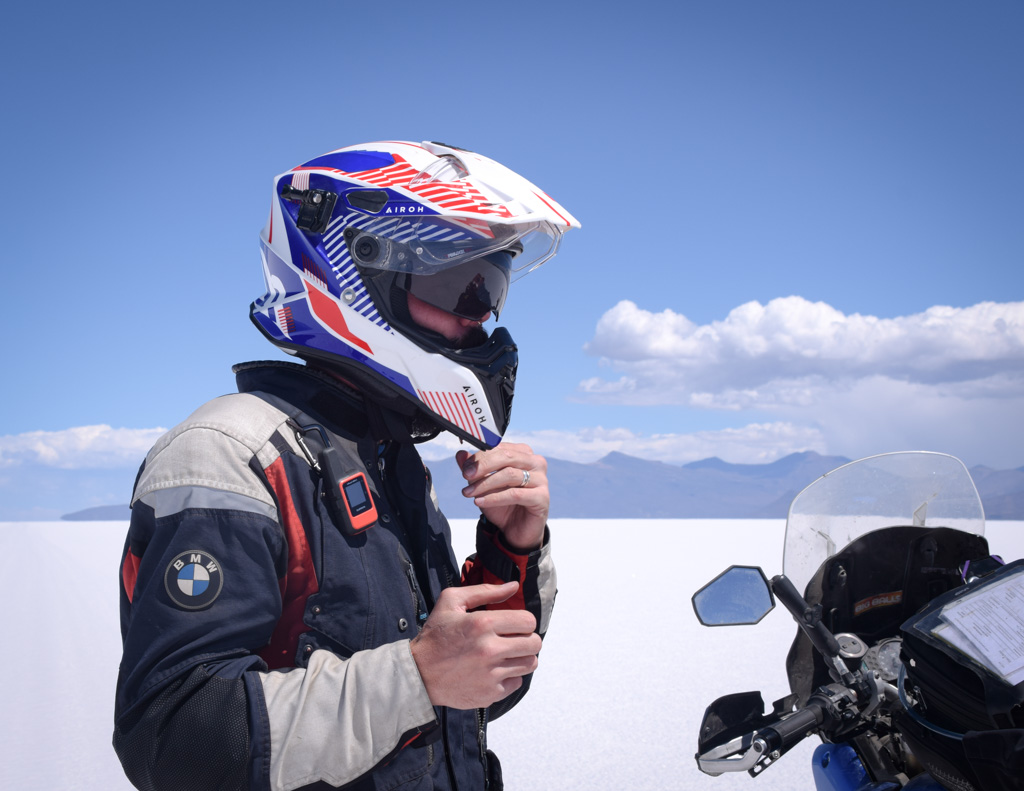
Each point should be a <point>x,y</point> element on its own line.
<point>415,593</point>
<point>481,735</point>
<point>382,449</point>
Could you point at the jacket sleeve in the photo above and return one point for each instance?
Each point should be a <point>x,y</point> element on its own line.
<point>496,562</point>
<point>196,707</point>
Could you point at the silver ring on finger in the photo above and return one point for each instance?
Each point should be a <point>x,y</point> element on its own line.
<point>526,478</point>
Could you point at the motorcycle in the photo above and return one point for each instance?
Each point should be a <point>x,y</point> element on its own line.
<point>885,570</point>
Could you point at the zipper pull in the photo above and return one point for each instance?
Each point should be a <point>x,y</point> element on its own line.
<point>481,735</point>
<point>421,615</point>
<point>381,464</point>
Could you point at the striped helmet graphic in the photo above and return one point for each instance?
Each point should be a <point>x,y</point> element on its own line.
<point>362,238</point>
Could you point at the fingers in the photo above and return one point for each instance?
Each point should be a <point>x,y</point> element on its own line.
<point>470,597</point>
<point>509,484</point>
<point>508,455</point>
<point>503,623</point>
<point>518,654</point>
<point>509,479</point>
<point>519,666</point>
<point>505,679</point>
<point>512,469</point>
<point>506,673</point>
<point>487,648</point>
<point>501,495</point>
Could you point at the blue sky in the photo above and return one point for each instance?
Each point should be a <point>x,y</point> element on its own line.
<point>802,221</point>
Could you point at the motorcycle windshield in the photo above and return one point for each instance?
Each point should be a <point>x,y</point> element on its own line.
<point>917,488</point>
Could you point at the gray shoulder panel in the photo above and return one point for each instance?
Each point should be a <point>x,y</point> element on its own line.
<point>212,449</point>
<point>165,502</point>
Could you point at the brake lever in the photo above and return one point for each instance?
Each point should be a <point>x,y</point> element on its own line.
<point>715,761</point>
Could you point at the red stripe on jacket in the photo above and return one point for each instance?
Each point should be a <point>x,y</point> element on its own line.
<point>299,581</point>
<point>130,572</point>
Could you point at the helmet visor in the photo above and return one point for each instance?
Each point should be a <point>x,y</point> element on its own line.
<point>423,246</point>
<point>471,289</point>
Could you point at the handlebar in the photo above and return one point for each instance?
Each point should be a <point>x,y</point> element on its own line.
<point>763,746</point>
<point>755,751</point>
<point>795,727</point>
<point>808,617</point>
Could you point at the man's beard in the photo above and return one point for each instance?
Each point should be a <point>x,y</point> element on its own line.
<point>474,336</point>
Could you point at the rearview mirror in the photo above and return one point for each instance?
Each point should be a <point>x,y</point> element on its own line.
<point>739,595</point>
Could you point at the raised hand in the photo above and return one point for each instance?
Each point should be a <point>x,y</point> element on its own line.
<point>509,484</point>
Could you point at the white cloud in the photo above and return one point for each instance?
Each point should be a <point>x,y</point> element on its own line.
<point>82,447</point>
<point>946,379</point>
<point>757,443</point>
<point>976,421</point>
<point>779,351</point>
<point>93,447</point>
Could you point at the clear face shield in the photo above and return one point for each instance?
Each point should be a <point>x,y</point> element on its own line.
<point>463,266</point>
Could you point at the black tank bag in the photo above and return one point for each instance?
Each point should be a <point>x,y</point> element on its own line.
<point>966,718</point>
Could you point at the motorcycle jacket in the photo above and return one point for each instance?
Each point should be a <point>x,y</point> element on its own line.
<point>266,643</point>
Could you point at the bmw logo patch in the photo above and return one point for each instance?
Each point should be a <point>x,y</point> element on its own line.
<point>193,579</point>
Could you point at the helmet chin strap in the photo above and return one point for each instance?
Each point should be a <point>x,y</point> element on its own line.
<point>385,423</point>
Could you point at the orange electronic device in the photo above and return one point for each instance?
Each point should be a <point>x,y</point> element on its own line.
<point>357,509</point>
<point>347,492</point>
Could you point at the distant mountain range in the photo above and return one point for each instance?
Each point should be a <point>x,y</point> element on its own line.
<point>101,513</point>
<point>624,487</point>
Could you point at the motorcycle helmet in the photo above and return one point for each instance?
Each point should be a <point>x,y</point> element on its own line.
<point>353,233</point>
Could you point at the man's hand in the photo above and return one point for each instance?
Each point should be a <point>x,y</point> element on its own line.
<point>509,484</point>
<point>469,660</point>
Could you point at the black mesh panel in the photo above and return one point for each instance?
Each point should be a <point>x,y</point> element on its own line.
<point>193,735</point>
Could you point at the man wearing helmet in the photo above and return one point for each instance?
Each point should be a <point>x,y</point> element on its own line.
<point>291,611</point>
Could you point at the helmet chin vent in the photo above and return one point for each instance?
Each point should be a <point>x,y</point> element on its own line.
<point>508,386</point>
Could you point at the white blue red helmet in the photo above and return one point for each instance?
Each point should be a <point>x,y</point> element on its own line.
<point>352,232</point>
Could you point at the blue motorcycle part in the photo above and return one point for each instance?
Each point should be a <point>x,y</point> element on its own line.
<point>836,767</point>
